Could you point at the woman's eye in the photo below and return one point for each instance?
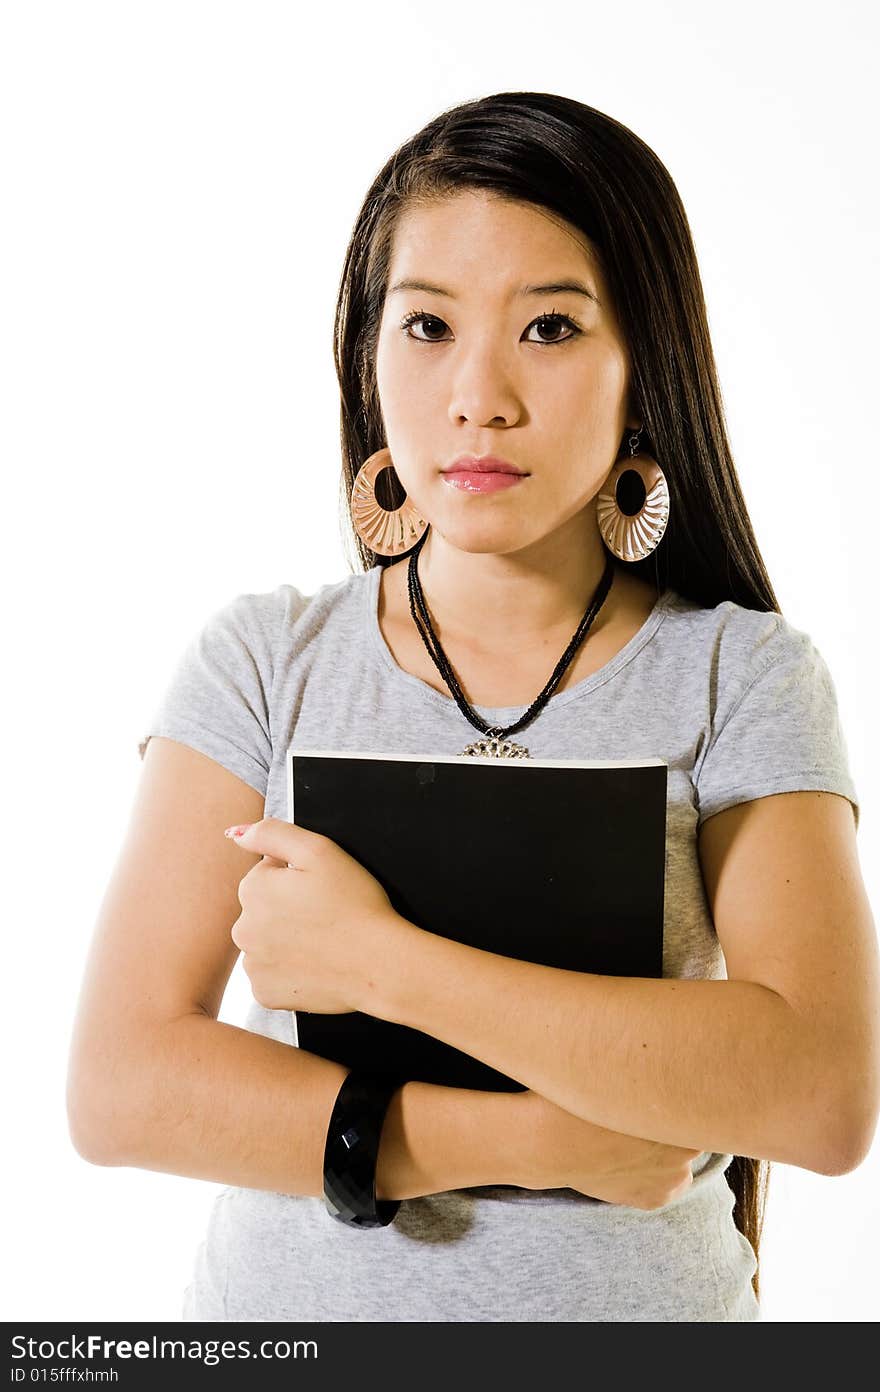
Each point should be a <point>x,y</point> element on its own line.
<point>545,323</point>
<point>555,322</point>
<point>426,321</point>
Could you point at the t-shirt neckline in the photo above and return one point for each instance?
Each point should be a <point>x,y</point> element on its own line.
<point>505,715</point>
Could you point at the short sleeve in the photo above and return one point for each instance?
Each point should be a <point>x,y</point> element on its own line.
<point>782,732</point>
<point>218,699</point>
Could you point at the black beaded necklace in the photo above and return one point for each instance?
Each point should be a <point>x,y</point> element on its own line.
<point>496,745</point>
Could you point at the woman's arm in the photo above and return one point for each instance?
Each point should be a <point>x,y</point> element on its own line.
<point>551,1148</point>
<point>155,1080</point>
<point>780,1062</point>
<point>211,1101</point>
<point>214,1102</point>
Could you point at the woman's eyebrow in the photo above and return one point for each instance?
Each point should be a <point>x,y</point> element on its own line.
<point>557,287</point>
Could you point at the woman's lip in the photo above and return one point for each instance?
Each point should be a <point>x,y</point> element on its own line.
<point>481,482</point>
<point>488,464</point>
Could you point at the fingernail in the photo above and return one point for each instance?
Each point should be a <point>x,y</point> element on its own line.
<point>238,830</point>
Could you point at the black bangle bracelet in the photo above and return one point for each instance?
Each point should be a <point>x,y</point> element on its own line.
<point>352,1149</point>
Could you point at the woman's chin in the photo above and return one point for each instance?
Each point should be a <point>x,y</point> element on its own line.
<point>483,536</point>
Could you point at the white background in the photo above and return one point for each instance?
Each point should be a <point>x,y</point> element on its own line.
<point>180,181</point>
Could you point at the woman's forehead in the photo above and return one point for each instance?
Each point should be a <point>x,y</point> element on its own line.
<point>462,242</point>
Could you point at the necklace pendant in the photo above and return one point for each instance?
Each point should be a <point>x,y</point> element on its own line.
<point>496,748</point>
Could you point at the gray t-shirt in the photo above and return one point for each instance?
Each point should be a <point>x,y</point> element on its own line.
<point>739,704</point>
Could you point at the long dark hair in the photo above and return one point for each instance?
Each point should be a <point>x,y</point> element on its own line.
<point>558,154</point>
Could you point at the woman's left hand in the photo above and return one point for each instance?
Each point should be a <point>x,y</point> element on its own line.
<point>315,931</point>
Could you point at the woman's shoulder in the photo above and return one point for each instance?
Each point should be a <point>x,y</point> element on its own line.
<point>732,637</point>
<point>282,609</point>
<point>729,658</point>
<point>218,697</point>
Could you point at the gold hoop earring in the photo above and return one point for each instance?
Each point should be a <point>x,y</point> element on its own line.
<point>389,532</point>
<point>632,508</point>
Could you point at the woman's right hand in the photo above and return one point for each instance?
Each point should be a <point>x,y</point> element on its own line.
<point>566,1152</point>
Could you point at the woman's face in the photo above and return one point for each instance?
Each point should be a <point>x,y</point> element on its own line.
<point>486,370</point>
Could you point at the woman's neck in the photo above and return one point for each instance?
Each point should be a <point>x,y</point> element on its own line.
<point>495,668</point>
<point>508,603</point>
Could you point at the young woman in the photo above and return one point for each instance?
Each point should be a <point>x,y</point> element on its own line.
<point>520,294</point>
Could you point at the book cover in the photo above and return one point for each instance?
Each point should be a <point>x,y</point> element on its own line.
<point>554,861</point>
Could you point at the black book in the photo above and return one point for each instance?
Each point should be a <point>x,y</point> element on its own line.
<point>554,861</point>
